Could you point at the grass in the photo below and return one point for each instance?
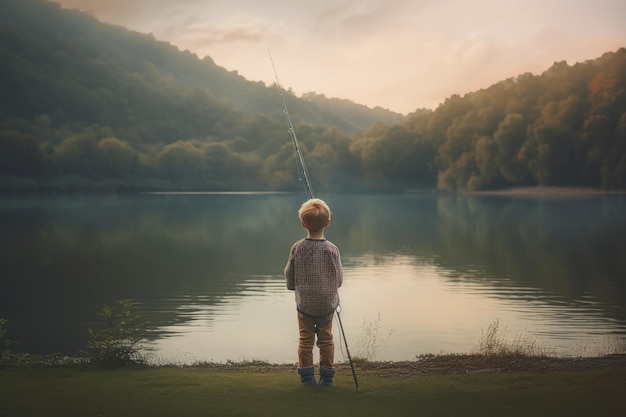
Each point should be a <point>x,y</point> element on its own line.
<point>497,342</point>
<point>500,378</point>
<point>175,391</point>
<point>369,342</point>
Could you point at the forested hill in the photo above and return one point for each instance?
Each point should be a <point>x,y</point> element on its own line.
<point>87,105</point>
<point>78,52</point>
<point>566,126</point>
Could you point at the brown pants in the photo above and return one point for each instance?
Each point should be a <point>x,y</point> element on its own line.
<point>309,327</point>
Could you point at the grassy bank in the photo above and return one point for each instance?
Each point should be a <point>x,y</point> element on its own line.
<point>275,391</point>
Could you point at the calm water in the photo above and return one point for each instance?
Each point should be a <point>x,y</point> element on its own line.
<point>424,272</point>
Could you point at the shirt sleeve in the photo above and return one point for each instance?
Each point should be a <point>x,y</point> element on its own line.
<point>290,278</point>
<point>339,270</point>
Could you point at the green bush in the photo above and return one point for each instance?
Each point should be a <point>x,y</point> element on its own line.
<point>495,342</point>
<point>122,342</point>
<point>6,357</point>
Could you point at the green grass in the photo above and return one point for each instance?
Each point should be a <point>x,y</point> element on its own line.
<point>171,391</point>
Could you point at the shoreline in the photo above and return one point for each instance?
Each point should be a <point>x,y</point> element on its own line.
<point>548,191</point>
<point>423,365</point>
<point>439,365</point>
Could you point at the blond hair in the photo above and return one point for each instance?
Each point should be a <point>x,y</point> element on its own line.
<point>314,214</point>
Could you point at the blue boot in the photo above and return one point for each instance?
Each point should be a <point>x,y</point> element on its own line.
<point>307,375</point>
<point>326,377</point>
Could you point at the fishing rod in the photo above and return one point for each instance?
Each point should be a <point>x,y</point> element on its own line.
<point>345,341</point>
<point>301,165</point>
<point>309,193</point>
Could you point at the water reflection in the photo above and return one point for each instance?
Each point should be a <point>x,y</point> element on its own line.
<point>431,312</point>
<point>207,268</point>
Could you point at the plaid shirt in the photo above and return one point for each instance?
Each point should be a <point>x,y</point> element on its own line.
<point>314,271</point>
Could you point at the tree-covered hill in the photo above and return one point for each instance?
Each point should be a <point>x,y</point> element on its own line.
<point>55,49</point>
<point>84,105</point>
<point>566,126</point>
<point>88,99</point>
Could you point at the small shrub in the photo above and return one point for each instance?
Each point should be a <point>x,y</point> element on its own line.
<point>122,341</point>
<point>617,347</point>
<point>609,346</point>
<point>9,358</point>
<point>494,342</point>
<point>369,341</point>
<point>6,356</point>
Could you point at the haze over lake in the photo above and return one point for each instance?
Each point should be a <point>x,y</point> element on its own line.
<point>426,272</point>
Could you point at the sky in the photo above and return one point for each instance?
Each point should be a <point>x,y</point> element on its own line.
<point>397,54</point>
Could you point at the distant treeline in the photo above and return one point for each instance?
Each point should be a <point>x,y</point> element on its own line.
<point>566,126</point>
<point>86,105</point>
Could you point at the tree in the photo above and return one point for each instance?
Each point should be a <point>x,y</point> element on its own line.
<point>117,159</point>
<point>613,169</point>
<point>19,154</point>
<point>77,155</point>
<point>457,175</point>
<point>218,160</point>
<point>181,162</point>
<point>509,138</point>
<point>280,169</point>
<point>554,135</point>
<point>487,174</point>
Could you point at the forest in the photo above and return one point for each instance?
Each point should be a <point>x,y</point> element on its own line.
<point>86,105</point>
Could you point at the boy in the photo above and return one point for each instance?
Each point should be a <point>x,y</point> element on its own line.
<point>314,271</point>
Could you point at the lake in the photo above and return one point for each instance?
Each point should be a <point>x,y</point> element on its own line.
<point>424,272</point>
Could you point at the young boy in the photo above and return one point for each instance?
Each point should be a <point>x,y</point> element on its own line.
<point>314,271</point>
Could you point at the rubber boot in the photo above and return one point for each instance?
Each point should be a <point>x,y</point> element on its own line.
<point>326,377</point>
<point>307,375</point>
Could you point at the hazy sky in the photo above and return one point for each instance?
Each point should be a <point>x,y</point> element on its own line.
<point>397,54</point>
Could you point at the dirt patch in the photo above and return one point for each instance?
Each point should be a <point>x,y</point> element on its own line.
<point>444,364</point>
<point>455,364</point>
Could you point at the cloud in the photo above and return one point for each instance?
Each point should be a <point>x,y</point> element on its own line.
<point>115,10</point>
<point>203,35</point>
<point>354,17</point>
<point>399,54</point>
